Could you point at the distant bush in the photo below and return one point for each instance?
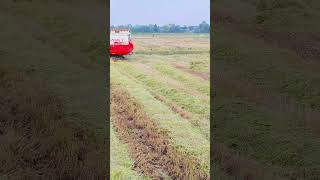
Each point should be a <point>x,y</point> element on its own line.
<point>203,27</point>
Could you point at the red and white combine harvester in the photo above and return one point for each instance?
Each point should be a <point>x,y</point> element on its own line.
<point>120,42</point>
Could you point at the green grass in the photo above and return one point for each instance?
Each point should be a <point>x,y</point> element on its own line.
<point>191,81</point>
<point>196,145</point>
<point>184,87</point>
<point>121,164</point>
<point>189,103</point>
<point>199,65</point>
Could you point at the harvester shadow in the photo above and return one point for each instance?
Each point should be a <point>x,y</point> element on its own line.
<point>117,57</point>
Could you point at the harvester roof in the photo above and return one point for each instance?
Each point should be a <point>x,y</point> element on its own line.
<point>121,31</point>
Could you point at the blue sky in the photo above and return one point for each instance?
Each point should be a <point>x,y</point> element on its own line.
<point>182,12</point>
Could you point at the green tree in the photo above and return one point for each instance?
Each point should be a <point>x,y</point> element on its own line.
<point>204,27</point>
<point>156,29</point>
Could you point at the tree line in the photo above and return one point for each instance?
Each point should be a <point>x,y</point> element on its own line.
<point>203,27</point>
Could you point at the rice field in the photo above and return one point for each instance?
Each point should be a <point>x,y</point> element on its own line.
<point>160,108</point>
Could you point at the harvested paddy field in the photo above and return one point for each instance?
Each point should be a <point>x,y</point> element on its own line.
<point>160,108</point>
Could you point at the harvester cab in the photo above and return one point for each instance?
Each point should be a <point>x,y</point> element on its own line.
<point>120,42</point>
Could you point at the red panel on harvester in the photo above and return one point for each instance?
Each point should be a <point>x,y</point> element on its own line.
<point>121,49</point>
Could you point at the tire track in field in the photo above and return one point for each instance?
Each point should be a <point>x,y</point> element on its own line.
<point>189,103</point>
<point>150,146</point>
<point>203,75</point>
<point>198,121</point>
<point>170,81</point>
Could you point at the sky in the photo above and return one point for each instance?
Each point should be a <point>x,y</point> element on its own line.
<point>180,12</point>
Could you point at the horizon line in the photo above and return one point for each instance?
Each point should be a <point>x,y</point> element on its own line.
<point>157,24</point>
